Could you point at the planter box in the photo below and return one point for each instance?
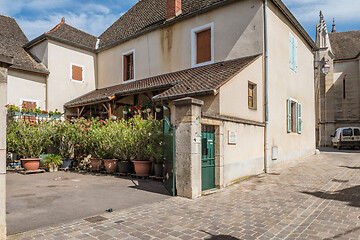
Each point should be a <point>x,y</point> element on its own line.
<point>55,116</point>
<point>11,114</point>
<point>28,114</point>
<point>42,115</point>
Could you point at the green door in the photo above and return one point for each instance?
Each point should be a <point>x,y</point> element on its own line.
<point>207,157</point>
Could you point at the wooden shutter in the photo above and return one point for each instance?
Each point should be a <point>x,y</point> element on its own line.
<point>289,116</point>
<point>29,105</point>
<point>77,73</point>
<point>251,95</point>
<point>299,106</point>
<point>203,46</point>
<point>295,55</point>
<point>129,67</point>
<point>291,52</point>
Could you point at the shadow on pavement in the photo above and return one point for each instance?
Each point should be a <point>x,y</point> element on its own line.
<point>350,195</point>
<point>343,234</point>
<point>354,168</point>
<point>150,186</point>
<point>219,237</point>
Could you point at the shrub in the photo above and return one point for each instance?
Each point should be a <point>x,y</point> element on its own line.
<point>52,160</point>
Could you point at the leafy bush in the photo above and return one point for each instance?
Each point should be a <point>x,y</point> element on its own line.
<point>29,140</point>
<point>52,160</point>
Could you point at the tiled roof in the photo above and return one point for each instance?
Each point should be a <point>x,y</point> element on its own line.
<point>145,15</point>
<point>345,45</point>
<point>189,82</point>
<point>69,33</point>
<point>12,40</point>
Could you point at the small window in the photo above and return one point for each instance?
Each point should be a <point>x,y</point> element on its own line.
<point>252,95</point>
<point>347,132</point>
<point>128,60</point>
<point>356,132</point>
<point>294,116</point>
<point>77,73</point>
<point>202,45</point>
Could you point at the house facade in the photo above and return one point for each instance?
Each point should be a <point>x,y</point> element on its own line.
<point>235,79</point>
<point>337,81</point>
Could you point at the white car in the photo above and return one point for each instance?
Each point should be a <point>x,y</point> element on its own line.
<point>346,137</point>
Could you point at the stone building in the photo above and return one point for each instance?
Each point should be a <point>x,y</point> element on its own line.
<point>337,80</point>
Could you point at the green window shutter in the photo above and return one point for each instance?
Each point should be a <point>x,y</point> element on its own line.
<point>291,52</point>
<point>299,108</point>
<point>289,116</point>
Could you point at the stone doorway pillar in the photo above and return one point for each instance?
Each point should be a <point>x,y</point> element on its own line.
<point>5,62</point>
<point>188,147</point>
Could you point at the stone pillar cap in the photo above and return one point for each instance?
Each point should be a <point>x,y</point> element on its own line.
<point>188,101</point>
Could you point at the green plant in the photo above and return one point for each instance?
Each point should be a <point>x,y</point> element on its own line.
<point>37,110</point>
<point>29,140</point>
<point>52,160</point>
<point>56,112</point>
<point>26,109</point>
<point>12,108</point>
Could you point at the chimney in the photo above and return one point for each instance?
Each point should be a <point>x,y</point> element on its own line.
<point>173,8</point>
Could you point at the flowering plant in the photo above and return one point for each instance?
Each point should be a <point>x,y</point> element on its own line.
<point>56,112</point>
<point>37,110</point>
<point>12,108</point>
<point>26,109</point>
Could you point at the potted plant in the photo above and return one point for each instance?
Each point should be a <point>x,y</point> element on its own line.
<point>52,162</point>
<point>55,114</point>
<point>123,143</point>
<point>43,114</point>
<point>26,111</point>
<point>13,110</point>
<point>64,138</point>
<point>141,134</point>
<point>29,140</point>
<point>106,147</point>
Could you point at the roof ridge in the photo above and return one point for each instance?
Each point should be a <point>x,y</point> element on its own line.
<point>2,15</point>
<point>57,26</point>
<point>346,31</point>
<point>81,30</point>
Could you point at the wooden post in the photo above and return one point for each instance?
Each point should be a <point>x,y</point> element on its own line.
<point>109,110</point>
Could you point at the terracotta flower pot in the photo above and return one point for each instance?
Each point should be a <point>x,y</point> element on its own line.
<point>111,165</point>
<point>96,164</point>
<point>31,164</point>
<point>125,167</point>
<point>142,168</point>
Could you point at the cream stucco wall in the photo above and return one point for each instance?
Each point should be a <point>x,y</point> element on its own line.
<point>60,87</point>
<point>26,86</point>
<point>238,32</point>
<point>284,83</point>
<point>234,94</point>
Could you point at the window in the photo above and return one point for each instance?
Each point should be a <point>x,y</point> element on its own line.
<point>252,95</point>
<point>128,66</point>
<point>347,132</point>
<point>29,105</point>
<point>202,45</point>
<point>356,132</point>
<point>294,116</point>
<point>344,88</point>
<point>293,53</point>
<point>77,73</point>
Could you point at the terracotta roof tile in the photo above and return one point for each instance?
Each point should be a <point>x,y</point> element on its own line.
<point>345,45</point>
<point>12,40</point>
<point>188,82</point>
<point>69,33</point>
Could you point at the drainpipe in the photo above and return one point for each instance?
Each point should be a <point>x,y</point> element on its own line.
<point>267,149</point>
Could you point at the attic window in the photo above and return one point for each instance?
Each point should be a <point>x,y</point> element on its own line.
<point>128,65</point>
<point>77,73</point>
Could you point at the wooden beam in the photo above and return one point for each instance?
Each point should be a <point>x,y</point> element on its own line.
<point>109,107</point>
<point>82,109</point>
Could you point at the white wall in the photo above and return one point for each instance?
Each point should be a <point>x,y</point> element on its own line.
<point>61,88</point>
<point>26,86</point>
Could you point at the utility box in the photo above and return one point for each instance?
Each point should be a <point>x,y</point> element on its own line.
<point>275,153</point>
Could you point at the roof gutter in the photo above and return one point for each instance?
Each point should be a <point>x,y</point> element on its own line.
<point>25,69</point>
<point>46,36</point>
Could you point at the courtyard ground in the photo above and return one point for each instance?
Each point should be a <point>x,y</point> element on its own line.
<point>315,198</point>
<point>40,200</point>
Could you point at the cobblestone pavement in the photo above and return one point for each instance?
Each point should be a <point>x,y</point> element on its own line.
<point>316,198</point>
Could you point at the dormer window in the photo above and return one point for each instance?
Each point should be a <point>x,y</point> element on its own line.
<point>77,73</point>
<point>128,66</point>
<point>202,48</point>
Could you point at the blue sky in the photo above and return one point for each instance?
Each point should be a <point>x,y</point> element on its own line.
<point>38,16</point>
